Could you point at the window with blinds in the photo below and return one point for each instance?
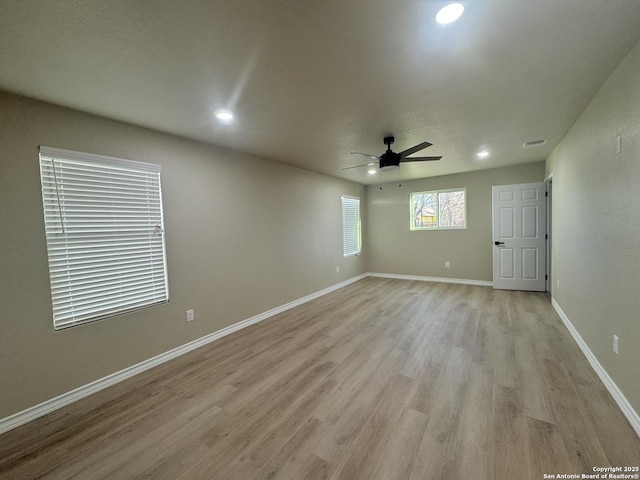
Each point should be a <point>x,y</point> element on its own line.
<point>351,239</point>
<point>105,235</point>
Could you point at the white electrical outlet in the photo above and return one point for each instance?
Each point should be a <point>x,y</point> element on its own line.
<point>447,264</point>
<point>337,268</point>
<point>616,344</point>
<point>190,315</point>
<point>558,284</point>
<point>618,143</point>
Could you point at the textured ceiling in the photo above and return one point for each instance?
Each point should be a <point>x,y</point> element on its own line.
<point>311,81</point>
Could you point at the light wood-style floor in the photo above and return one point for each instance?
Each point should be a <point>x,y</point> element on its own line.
<point>383,379</point>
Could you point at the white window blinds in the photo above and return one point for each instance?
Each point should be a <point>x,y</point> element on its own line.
<point>105,235</point>
<point>351,241</point>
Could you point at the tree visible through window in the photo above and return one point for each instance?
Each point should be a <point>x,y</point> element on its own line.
<point>439,209</point>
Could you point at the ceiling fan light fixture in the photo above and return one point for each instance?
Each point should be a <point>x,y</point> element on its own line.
<point>449,13</point>
<point>389,168</point>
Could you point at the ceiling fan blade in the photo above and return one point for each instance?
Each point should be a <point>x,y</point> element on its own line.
<point>365,155</point>
<point>420,159</point>
<point>414,149</point>
<point>357,166</point>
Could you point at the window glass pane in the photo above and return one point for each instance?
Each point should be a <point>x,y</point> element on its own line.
<point>425,208</point>
<point>452,210</point>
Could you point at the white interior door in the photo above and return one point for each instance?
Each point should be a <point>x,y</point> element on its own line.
<point>519,227</point>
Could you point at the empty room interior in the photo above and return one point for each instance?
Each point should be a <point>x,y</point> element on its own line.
<point>319,240</point>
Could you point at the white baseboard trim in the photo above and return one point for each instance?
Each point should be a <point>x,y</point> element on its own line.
<point>44,408</point>
<point>25,416</point>
<point>608,382</point>
<point>462,281</point>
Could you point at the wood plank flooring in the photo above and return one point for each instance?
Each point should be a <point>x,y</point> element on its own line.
<point>381,380</point>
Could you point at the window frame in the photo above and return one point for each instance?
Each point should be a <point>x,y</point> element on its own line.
<point>349,247</point>
<point>104,227</point>
<point>437,226</point>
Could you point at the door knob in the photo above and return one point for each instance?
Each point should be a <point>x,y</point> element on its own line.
<point>498,243</point>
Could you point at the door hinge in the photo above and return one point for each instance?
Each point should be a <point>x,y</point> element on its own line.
<point>546,277</point>
<point>546,236</point>
<point>546,194</point>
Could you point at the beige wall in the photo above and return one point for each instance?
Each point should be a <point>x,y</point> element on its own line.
<point>244,235</point>
<point>238,246</point>
<point>393,248</point>
<point>596,225</point>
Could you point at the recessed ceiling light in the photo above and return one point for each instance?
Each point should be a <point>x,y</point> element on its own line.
<point>371,171</point>
<point>482,154</point>
<point>224,116</point>
<point>449,13</point>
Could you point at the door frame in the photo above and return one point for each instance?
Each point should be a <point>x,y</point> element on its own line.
<point>549,264</point>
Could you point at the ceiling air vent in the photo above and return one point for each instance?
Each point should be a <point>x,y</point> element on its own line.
<point>535,143</point>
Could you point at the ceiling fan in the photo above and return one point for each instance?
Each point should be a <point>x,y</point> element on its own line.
<point>390,160</point>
